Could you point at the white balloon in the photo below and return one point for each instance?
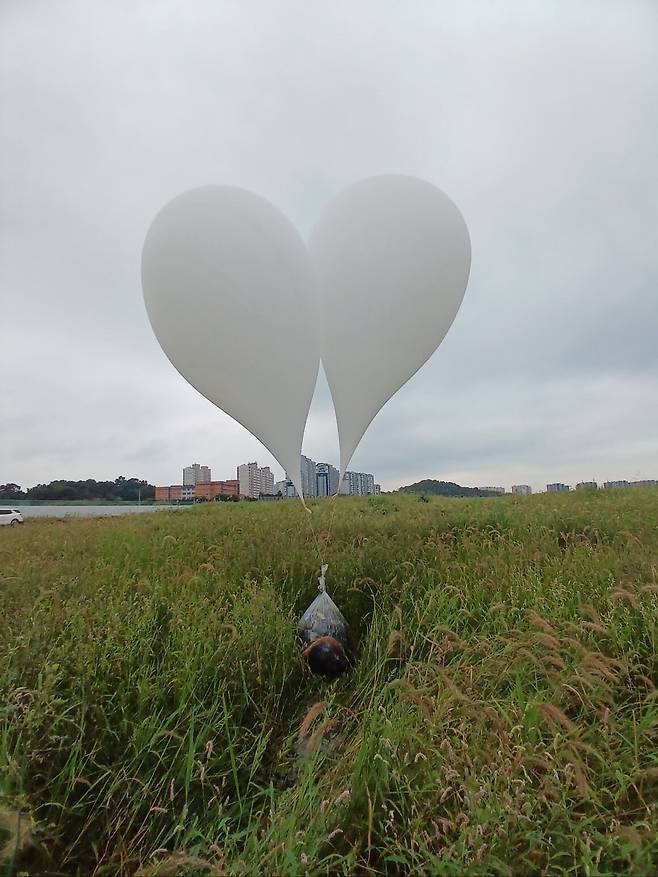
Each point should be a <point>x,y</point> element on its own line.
<point>391,256</point>
<point>227,287</point>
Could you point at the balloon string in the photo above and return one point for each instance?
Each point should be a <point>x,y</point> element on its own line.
<point>323,566</point>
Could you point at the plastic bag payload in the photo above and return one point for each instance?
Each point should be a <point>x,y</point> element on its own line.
<point>325,636</point>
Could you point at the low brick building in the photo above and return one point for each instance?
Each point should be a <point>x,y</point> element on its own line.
<point>187,492</point>
<point>213,489</point>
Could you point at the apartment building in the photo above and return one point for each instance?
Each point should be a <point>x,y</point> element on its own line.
<point>249,480</point>
<point>196,474</point>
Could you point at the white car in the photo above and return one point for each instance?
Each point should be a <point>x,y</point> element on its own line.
<point>10,516</point>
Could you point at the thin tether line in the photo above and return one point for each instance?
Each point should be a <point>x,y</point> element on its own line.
<point>318,546</point>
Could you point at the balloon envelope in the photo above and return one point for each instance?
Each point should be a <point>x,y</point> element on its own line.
<point>391,256</point>
<point>227,287</point>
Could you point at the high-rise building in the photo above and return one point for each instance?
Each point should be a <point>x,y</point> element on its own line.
<point>358,484</point>
<point>309,477</point>
<point>586,485</point>
<point>196,474</point>
<point>322,479</point>
<point>498,491</point>
<point>615,485</point>
<point>521,489</point>
<point>558,487</point>
<point>249,480</point>
<point>327,479</point>
<point>647,482</point>
<point>266,481</point>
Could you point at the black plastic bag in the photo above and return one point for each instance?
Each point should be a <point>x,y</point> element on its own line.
<point>325,635</point>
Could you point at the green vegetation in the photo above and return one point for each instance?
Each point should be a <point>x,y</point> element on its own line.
<point>502,719</point>
<point>120,490</point>
<point>444,488</point>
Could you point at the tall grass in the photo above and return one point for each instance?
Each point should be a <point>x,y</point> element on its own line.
<point>157,717</point>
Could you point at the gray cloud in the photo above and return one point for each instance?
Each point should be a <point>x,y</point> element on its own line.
<point>539,119</point>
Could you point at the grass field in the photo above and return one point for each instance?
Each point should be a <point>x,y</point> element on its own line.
<point>502,718</point>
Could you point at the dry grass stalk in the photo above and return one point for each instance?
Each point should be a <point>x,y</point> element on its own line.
<point>631,834</point>
<point>579,779</point>
<point>454,689</point>
<point>598,664</point>
<point>540,622</point>
<point>424,704</point>
<point>395,641</point>
<point>174,865</point>
<point>318,734</point>
<point>588,750</point>
<point>594,626</point>
<point>538,763</point>
<point>545,639</point>
<point>528,655</point>
<point>591,612</point>
<point>19,827</point>
<point>555,716</point>
<point>621,595</point>
<point>316,710</point>
<point>555,660</point>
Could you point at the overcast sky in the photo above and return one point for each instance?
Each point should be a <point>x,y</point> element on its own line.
<point>539,119</point>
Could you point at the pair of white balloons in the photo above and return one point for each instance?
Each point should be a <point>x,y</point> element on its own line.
<point>245,310</point>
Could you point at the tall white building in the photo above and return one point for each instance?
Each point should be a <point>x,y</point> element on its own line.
<point>358,484</point>
<point>196,474</point>
<point>309,477</point>
<point>249,480</point>
<point>322,479</point>
<point>266,480</point>
<point>521,489</point>
<point>327,479</point>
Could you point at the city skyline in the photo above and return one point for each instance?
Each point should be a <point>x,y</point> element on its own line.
<point>524,488</point>
<point>318,480</point>
<point>320,477</point>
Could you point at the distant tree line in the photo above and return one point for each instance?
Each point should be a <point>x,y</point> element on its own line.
<point>445,488</point>
<point>121,489</point>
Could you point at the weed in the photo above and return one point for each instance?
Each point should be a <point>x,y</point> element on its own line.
<point>501,717</point>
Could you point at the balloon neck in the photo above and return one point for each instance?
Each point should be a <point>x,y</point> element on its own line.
<point>321,580</point>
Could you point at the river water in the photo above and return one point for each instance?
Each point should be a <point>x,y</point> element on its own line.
<point>86,511</point>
